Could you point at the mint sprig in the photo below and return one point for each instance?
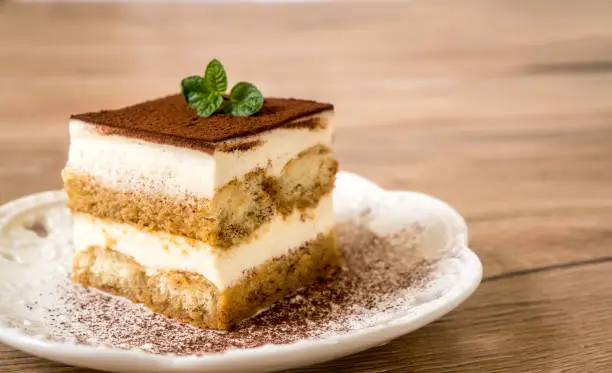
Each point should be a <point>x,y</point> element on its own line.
<point>206,94</point>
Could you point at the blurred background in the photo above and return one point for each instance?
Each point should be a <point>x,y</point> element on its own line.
<point>492,105</point>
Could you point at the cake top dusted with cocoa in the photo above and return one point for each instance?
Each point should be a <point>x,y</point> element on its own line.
<point>170,116</point>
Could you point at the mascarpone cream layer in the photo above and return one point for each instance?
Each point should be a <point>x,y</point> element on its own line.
<point>127,164</point>
<point>162,251</point>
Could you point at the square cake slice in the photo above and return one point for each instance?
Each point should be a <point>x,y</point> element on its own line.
<point>206,220</point>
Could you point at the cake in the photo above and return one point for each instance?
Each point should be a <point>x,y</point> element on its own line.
<point>207,220</point>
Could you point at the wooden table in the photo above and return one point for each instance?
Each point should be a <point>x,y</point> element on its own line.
<point>502,108</point>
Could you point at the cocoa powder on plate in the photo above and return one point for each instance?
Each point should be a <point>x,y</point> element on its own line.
<point>379,280</point>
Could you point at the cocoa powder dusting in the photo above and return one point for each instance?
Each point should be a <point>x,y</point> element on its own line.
<point>378,282</point>
<point>168,120</point>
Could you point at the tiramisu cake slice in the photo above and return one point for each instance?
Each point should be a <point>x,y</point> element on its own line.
<point>203,219</point>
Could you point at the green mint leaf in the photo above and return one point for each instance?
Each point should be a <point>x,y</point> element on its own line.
<point>199,97</point>
<point>206,94</point>
<point>245,100</point>
<point>215,77</point>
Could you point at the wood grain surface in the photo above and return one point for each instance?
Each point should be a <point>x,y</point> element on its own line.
<point>503,108</point>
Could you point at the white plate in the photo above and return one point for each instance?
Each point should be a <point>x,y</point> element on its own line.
<point>29,261</point>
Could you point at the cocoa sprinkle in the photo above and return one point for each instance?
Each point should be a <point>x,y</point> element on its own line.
<point>377,282</point>
<point>168,120</point>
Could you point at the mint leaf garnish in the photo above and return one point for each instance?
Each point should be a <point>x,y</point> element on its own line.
<point>206,94</point>
<point>199,97</point>
<point>245,100</point>
<point>215,76</point>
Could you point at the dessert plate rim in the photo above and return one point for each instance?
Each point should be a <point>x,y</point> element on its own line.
<point>267,357</point>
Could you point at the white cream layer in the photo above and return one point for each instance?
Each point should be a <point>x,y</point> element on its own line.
<point>128,164</point>
<point>162,251</point>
